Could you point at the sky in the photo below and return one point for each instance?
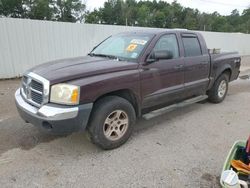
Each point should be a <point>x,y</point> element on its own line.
<point>224,7</point>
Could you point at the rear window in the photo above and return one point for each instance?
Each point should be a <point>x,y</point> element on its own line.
<point>191,46</point>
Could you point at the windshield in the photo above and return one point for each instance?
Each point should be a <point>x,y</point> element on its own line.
<point>123,46</point>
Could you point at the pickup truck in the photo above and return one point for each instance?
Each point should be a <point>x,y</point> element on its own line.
<point>126,76</point>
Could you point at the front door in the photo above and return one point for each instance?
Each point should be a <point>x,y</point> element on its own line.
<point>162,82</point>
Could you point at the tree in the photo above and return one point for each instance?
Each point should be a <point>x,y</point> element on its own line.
<point>130,12</point>
<point>93,17</point>
<point>143,16</point>
<point>107,12</point>
<point>159,19</point>
<point>41,9</point>
<point>69,10</point>
<point>246,20</point>
<point>13,8</point>
<point>190,19</point>
<point>146,13</point>
<point>58,10</point>
<point>158,13</point>
<point>234,20</point>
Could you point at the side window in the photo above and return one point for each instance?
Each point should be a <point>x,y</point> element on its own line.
<point>168,42</point>
<point>191,46</point>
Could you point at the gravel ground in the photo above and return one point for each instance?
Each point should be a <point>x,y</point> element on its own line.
<point>184,148</point>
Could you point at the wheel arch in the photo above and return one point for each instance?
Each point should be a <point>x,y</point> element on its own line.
<point>224,70</point>
<point>227,71</point>
<point>126,94</point>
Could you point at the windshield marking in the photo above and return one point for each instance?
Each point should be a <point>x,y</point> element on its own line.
<point>131,47</point>
<point>138,41</point>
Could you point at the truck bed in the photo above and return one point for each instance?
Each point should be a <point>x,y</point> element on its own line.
<point>225,60</point>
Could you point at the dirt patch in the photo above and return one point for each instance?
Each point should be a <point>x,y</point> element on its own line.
<point>15,133</point>
<point>28,142</point>
<point>7,101</point>
<point>209,181</point>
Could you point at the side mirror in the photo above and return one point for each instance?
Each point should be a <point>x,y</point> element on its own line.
<point>163,54</point>
<point>159,54</point>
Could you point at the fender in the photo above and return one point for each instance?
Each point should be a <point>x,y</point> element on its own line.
<point>222,69</point>
<point>217,72</point>
<point>94,87</point>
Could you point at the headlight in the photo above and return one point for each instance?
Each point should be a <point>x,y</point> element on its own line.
<point>65,94</point>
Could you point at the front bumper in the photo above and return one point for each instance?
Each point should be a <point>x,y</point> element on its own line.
<point>53,118</point>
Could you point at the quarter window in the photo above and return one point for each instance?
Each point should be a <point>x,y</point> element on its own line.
<point>191,46</point>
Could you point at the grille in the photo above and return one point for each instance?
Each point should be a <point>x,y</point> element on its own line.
<point>32,90</point>
<point>38,98</point>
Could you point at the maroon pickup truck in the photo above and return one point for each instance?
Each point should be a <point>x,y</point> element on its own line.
<point>128,75</point>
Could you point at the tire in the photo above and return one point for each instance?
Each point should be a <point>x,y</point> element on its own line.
<point>219,90</point>
<point>111,122</point>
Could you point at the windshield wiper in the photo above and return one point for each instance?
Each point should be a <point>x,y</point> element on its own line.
<point>105,55</point>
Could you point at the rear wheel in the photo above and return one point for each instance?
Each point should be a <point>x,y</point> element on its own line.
<point>219,90</point>
<point>111,122</point>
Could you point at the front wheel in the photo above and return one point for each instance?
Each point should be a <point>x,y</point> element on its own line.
<point>111,122</point>
<point>219,90</point>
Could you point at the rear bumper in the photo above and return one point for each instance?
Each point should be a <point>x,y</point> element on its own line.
<point>52,118</point>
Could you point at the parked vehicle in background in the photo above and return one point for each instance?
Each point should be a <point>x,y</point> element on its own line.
<point>126,76</point>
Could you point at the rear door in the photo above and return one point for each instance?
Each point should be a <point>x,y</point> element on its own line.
<point>197,65</point>
<point>162,82</point>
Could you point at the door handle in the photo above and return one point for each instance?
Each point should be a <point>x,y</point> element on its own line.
<point>178,67</point>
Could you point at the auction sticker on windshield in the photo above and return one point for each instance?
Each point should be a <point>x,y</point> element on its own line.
<point>131,47</point>
<point>138,41</point>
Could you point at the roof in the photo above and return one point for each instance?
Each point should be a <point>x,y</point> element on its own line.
<point>153,31</point>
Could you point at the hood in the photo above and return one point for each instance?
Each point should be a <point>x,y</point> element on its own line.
<point>73,68</point>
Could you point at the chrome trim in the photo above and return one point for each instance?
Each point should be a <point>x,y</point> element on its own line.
<point>58,113</point>
<point>27,98</point>
<point>46,112</point>
<point>46,88</point>
<point>21,102</point>
<point>39,92</point>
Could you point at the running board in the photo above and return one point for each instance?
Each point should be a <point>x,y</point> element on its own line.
<point>166,109</point>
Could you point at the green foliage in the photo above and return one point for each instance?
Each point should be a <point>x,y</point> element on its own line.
<point>40,10</point>
<point>164,15</point>
<point>93,17</point>
<point>143,16</point>
<point>58,10</point>
<point>13,8</point>
<point>146,13</point>
<point>69,10</point>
